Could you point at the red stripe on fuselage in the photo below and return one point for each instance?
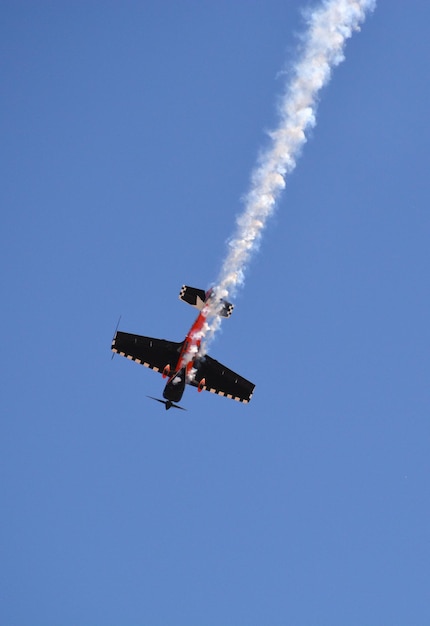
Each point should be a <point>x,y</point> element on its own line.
<point>192,342</point>
<point>193,339</point>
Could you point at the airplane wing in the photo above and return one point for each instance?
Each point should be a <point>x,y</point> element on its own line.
<point>150,352</point>
<point>219,379</point>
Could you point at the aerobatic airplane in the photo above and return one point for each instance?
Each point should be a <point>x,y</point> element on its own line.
<point>180,362</point>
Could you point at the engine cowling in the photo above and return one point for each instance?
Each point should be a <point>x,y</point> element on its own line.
<point>201,385</point>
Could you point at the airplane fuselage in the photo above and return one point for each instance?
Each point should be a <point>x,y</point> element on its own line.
<point>175,386</point>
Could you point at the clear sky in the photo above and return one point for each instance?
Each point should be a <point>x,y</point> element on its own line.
<point>128,134</point>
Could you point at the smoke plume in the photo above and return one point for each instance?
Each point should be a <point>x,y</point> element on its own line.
<point>329,25</point>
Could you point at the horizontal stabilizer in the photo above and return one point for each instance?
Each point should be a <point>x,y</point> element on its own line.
<point>194,297</point>
<point>197,298</point>
<point>226,309</point>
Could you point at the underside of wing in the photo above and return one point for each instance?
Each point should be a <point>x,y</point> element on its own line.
<point>147,351</point>
<point>223,381</point>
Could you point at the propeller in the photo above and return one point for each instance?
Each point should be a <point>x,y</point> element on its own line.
<point>113,353</point>
<point>168,403</point>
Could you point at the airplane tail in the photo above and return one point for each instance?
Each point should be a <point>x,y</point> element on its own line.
<point>198,297</point>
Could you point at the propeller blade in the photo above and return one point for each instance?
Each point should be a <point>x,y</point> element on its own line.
<point>113,353</point>
<point>167,403</point>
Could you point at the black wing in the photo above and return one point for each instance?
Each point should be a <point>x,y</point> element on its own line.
<point>150,352</point>
<point>219,379</point>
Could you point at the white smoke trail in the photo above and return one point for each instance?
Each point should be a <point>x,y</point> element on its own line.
<point>329,26</point>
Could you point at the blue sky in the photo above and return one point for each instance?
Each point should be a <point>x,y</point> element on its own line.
<point>129,132</point>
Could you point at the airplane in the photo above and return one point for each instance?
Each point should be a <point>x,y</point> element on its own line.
<point>181,362</point>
